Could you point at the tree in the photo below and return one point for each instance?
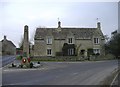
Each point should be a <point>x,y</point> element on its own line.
<point>106,38</point>
<point>113,46</point>
<point>21,43</point>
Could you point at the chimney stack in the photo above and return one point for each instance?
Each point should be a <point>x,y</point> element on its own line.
<point>59,24</point>
<point>4,37</point>
<point>98,25</point>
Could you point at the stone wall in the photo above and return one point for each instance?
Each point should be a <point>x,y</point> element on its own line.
<point>40,47</point>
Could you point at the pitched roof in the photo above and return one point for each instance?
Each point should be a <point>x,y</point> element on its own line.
<point>78,33</point>
<point>8,42</point>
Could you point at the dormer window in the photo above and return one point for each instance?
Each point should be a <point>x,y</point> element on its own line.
<point>49,40</point>
<point>96,40</point>
<point>70,40</point>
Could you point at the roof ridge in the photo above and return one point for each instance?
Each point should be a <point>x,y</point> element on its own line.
<point>69,28</point>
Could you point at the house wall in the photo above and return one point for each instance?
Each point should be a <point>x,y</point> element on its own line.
<point>58,45</point>
<point>8,49</point>
<point>83,45</point>
<point>40,48</point>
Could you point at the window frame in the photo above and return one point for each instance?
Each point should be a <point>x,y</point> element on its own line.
<point>49,40</point>
<point>96,40</point>
<point>70,40</point>
<point>49,51</point>
<point>96,50</point>
<point>70,51</point>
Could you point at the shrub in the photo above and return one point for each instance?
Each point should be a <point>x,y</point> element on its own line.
<point>31,65</point>
<point>19,57</point>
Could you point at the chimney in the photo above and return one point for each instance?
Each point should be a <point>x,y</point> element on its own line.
<point>5,37</point>
<point>98,25</point>
<point>59,24</point>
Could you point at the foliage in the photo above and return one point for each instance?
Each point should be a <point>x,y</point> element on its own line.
<point>106,38</point>
<point>82,52</point>
<point>59,54</point>
<point>57,58</point>
<point>31,65</point>
<point>90,51</point>
<point>113,46</point>
<point>21,43</point>
<point>18,57</point>
<point>21,46</point>
<point>66,47</point>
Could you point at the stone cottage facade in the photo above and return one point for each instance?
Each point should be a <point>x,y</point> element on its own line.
<point>63,41</point>
<point>8,48</point>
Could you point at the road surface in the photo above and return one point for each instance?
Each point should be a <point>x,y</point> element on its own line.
<point>61,73</point>
<point>6,60</point>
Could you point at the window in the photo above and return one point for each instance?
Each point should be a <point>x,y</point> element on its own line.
<point>70,51</point>
<point>96,51</point>
<point>49,51</point>
<point>70,40</point>
<point>49,40</point>
<point>96,40</point>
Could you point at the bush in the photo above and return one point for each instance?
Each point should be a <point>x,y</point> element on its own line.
<point>31,65</point>
<point>90,51</point>
<point>19,57</point>
<point>113,45</point>
<point>59,54</point>
<point>110,56</point>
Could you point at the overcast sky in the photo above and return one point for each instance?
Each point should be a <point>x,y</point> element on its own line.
<point>15,14</point>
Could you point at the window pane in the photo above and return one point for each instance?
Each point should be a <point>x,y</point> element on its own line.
<point>96,40</point>
<point>49,51</point>
<point>69,40</point>
<point>49,40</point>
<point>96,51</point>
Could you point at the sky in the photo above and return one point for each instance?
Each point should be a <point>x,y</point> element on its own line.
<point>14,14</point>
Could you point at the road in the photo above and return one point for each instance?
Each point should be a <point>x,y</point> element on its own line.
<point>6,60</point>
<point>61,73</point>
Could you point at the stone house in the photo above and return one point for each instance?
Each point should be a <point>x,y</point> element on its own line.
<point>8,48</point>
<point>66,41</point>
